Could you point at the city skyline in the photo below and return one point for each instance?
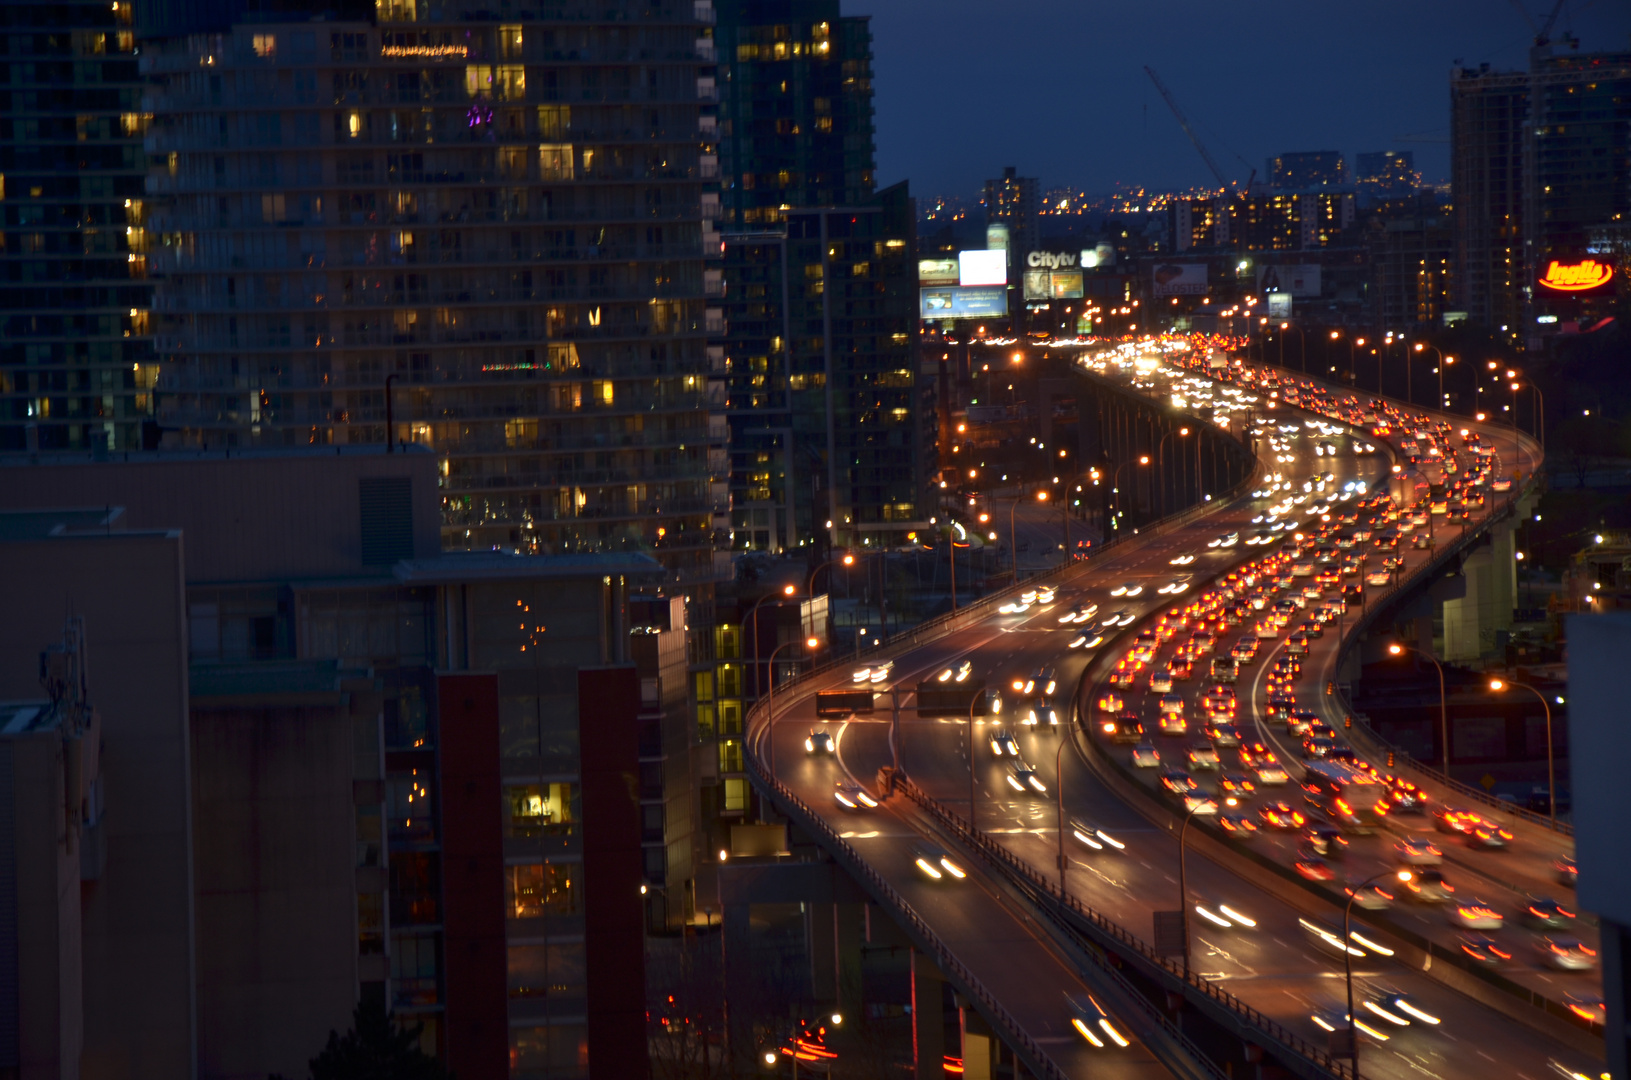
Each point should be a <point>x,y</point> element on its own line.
<point>1052,69</point>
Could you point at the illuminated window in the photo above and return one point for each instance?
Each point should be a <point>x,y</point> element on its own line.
<point>534,890</point>
<point>265,45</point>
<point>602,391</point>
<point>510,82</point>
<point>736,795</point>
<point>538,809</point>
<point>730,755</point>
<point>353,124</point>
<point>509,42</point>
<point>554,120</point>
<point>555,161</point>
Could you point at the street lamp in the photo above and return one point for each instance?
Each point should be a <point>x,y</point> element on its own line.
<point>1551,766</point>
<point>1183,889</point>
<point>770,695</point>
<point>1302,345</point>
<point>848,559</point>
<point>787,590</point>
<point>1398,649</point>
<point>1421,346</point>
<point>1115,478</point>
<point>1347,955</point>
<point>1161,463</point>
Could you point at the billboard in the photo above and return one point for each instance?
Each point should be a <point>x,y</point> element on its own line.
<point>1038,284</point>
<point>1180,279</point>
<point>1564,276</point>
<point>937,271</point>
<point>1279,305</point>
<point>1299,279</point>
<point>982,267</point>
<point>996,236</point>
<point>955,302</point>
<point>1067,285</point>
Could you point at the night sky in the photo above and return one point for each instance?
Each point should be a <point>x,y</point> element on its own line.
<point>1057,87</point>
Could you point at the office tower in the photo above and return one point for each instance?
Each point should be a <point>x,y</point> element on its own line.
<point>1411,255</point>
<point>1488,111</point>
<point>1262,221</point>
<point>460,228</point>
<point>1386,174</point>
<point>827,441</point>
<point>76,367</point>
<point>1016,201</point>
<point>1306,169</point>
<point>1540,169</point>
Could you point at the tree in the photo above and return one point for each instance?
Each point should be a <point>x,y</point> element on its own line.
<point>375,1049</point>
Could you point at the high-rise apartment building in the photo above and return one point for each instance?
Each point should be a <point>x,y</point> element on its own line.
<point>491,235</point>
<point>1306,169</point>
<point>1016,201</point>
<point>1386,174</point>
<point>1262,221</point>
<point>827,442</point>
<point>75,358</point>
<point>1540,169</point>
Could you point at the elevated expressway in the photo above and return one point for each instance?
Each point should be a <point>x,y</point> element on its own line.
<point>1016,948</point>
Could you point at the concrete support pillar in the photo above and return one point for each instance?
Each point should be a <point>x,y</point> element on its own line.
<point>736,940</point>
<point>849,934</point>
<point>979,1044</point>
<point>819,926</point>
<point>1617,1033</point>
<point>928,1023</point>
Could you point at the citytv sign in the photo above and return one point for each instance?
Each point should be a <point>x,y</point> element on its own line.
<point>1051,260</point>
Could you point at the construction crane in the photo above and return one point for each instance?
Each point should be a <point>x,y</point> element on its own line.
<point>1183,122</point>
<point>1543,32</point>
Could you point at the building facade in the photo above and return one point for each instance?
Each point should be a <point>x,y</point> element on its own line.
<point>1386,174</point>
<point>76,365</point>
<point>1305,169</point>
<point>494,237</point>
<point>1016,201</point>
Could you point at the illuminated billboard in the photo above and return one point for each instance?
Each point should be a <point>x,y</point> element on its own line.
<point>1067,285</point>
<point>1299,280</point>
<point>982,268</point>
<point>959,302</point>
<point>1038,284</point>
<point>937,271</point>
<point>1576,275</point>
<point>1180,279</point>
<point>1279,305</point>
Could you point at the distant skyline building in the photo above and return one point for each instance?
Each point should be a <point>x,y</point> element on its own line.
<point>1286,221</point>
<point>456,225</point>
<point>1302,170</point>
<point>76,363</point>
<point>1386,174</point>
<point>1016,201</point>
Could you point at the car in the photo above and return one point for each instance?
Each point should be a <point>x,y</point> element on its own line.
<point>1122,729</point>
<point>958,672</point>
<point>1146,756</point>
<point>861,675</point>
<point>1183,559</point>
<point>1399,1008</point>
<point>1484,833</point>
<point>1485,950</point>
<point>1403,797</point>
<point>1452,819</point>
<point>1041,714</point>
<point>1225,917</point>
<point>1203,755</point>
<point>1225,735</point>
<point>819,742</point>
<point>1172,724</point>
<point>1226,540</point>
<point>1326,840</point>
<point>1427,886</point>
<point>1378,577</point>
<point>1316,747</point>
<point>1236,783</point>
<point>1111,702</point>
<point>1589,1007</point>
<point>1023,778</point>
<point>1178,782</point>
<point>1313,867</point>
<point>880,672</point>
<point>936,864</point>
<point>1045,594</point>
<point>1254,752</point>
<point>853,797</point>
<point>1081,613</point>
<point>1094,837</point>
<point>1566,953</point>
<point>1241,825</point>
<point>1544,913</point>
<point>1270,773</point>
<point>1042,679</point>
<point>1371,896</point>
<point>1161,681</point>
<point>1003,745</point>
<point>1475,915</point>
<point>1172,703</point>
<point>1092,1023</point>
<point>1328,936</point>
<point>1281,815</point>
<point>1418,851</point>
<point>1128,589</point>
<point>1565,871</point>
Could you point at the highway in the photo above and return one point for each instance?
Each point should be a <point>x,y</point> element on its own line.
<point>1276,967</point>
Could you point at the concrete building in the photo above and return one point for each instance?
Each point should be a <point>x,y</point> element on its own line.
<point>1411,253</point>
<point>76,365</point>
<point>1306,169</point>
<point>1386,174</point>
<point>458,230</point>
<point>1016,201</point>
<point>390,780</point>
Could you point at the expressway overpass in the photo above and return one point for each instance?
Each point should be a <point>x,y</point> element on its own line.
<point>1014,948</point>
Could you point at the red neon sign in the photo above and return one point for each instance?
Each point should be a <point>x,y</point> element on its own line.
<point>1576,277</point>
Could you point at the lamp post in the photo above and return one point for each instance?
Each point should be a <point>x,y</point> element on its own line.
<point>1161,463</point>
<point>787,590</point>
<point>1183,888</point>
<point>1421,346</point>
<point>770,696</point>
<point>1347,955</point>
<point>1115,478</point>
<point>848,559</point>
<point>1399,649</point>
<point>1551,765</point>
<point>1444,363</point>
<point>1302,345</point>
